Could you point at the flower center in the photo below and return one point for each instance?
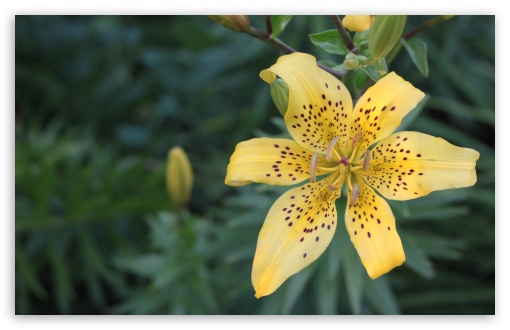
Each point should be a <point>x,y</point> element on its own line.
<point>340,163</point>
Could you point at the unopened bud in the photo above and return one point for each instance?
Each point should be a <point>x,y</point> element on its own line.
<point>179,177</point>
<point>238,23</point>
<point>354,62</point>
<point>384,34</point>
<point>280,94</point>
<point>358,23</point>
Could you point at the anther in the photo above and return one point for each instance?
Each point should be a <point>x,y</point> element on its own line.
<point>331,146</point>
<point>354,194</point>
<point>355,139</point>
<point>366,160</point>
<point>332,186</point>
<point>313,167</point>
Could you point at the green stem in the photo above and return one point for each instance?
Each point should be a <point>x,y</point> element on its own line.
<point>344,34</point>
<point>284,48</point>
<point>427,24</point>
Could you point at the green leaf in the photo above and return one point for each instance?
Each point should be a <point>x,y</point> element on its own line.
<point>417,49</point>
<point>381,296</point>
<point>377,70</point>
<point>361,38</point>
<point>326,293</point>
<point>296,285</point>
<point>329,41</point>
<point>278,23</point>
<point>354,279</point>
<point>416,259</point>
<point>27,274</point>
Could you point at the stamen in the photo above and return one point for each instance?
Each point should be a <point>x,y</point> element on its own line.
<point>328,169</point>
<point>313,167</point>
<point>332,187</point>
<point>366,160</point>
<point>330,147</point>
<point>344,161</point>
<point>354,194</point>
<point>355,140</point>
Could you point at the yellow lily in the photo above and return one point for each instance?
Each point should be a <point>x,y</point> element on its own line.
<point>332,139</point>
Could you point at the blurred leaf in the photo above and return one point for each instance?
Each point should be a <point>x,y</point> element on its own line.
<point>278,24</point>
<point>326,287</point>
<point>417,50</point>
<point>25,270</point>
<point>355,275</point>
<point>329,41</point>
<point>295,286</point>
<point>381,297</point>
<point>416,259</point>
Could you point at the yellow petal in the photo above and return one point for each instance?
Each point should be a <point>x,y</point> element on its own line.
<point>381,109</point>
<point>272,161</point>
<point>371,226</point>
<point>319,107</point>
<point>409,165</point>
<point>297,229</point>
<point>357,23</point>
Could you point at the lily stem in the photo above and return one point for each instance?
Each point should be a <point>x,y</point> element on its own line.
<point>269,26</point>
<point>427,24</point>
<point>344,34</point>
<point>284,48</point>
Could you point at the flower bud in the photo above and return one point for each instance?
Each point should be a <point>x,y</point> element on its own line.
<point>179,177</point>
<point>384,34</point>
<point>238,23</point>
<point>354,62</point>
<point>280,94</point>
<point>358,23</point>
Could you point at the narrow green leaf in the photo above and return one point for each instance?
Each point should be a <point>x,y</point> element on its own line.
<point>295,286</point>
<point>27,274</point>
<point>326,293</point>
<point>417,49</point>
<point>329,41</point>
<point>278,23</point>
<point>355,274</point>
<point>381,297</point>
<point>416,259</point>
<point>377,70</point>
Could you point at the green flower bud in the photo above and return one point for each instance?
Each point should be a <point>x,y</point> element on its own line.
<point>384,34</point>
<point>354,62</point>
<point>238,23</point>
<point>179,177</point>
<point>280,94</point>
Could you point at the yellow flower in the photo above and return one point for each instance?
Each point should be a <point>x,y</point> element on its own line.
<point>358,23</point>
<point>332,138</point>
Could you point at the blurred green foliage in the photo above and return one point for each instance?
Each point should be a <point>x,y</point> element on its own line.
<point>101,99</point>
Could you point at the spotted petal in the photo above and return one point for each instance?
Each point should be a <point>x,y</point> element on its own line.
<point>381,109</point>
<point>408,165</point>
<point>319,107</point>
<point>297,229</point>
<point>371,226</point>
<point>280,162</point>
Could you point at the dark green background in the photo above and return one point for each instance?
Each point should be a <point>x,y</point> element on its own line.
<point>100,100</point>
